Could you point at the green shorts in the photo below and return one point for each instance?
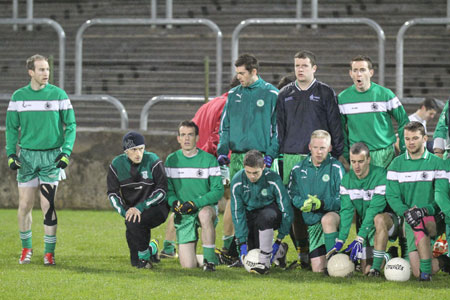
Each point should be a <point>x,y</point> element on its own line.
<point>39,164</point>
<point>289,161</point>
<point>316,236</point>
<point>186,227</point>
<point>410,239</point>
<point>237,164</point>
<point>382,157</point>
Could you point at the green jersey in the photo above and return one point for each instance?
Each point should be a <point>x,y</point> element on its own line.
<point>366,117</point>
<point>441,137</point>
<point>367,196</point>
<point>442,191</point>
<point>411,182</point>
<point>248,196</point>
<point>249,120</point>
<point>45,119</point>
<point>195,178</point>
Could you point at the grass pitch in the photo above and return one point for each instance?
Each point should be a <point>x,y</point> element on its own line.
<point>92,262</point>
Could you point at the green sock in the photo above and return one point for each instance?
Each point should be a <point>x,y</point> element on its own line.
<point>145,255</point>
<point>153,245</point>
<point>49,243</point>
<point>227,240</point>
<point>330,240</point>
<point>209,254</point>
<point>378,257</point>
<point>168,246</point>
<point>425,265</point>
<point>26,238</point>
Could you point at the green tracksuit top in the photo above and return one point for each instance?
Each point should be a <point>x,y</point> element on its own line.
<point>411,182</point>
<point>249,120</point>
<point>195,178</point>
<point>323,181</point>
<point>248,196</point>
<point>442,192</point>
<point>366,196</point>
<point>40,116</point>
<point>366,117</point>
<point>441,137</point>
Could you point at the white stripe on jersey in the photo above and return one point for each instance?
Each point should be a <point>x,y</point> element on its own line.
<point>369,107</point>
<point>366,195</point>
<point>415,176</point>
<point>54,105</point>
<point>196,173</point>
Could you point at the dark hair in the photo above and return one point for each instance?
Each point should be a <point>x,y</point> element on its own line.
<point>285,80</point>
<point>359,147</point>
<point>362,58</point>
<point>188,123</point>
<point>32,59</point>
<point>306,54</point>
<point>429,104</point>
<point>254,159</point>
<point>415,126</point>
<point>249,61</point>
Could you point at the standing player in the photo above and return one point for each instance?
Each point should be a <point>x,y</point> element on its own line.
<point>260,205</point>
<point>410,191</point>
<point>441,134</point>
<point>44,116</point>
<point>366,110</point>
<point>137,187</point>
<point>195,186</point>
<point>426,112</point>
<point>363,189</point>
<point>314,189</point>
<point>249,117</point>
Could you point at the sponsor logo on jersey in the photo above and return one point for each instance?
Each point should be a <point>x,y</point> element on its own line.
<point>326,178</point>
<point>260,103</point>
<point>288,99</point>
<point>264,192</point>
<point>144,174</point>
<point>25,105</point>
<point>314,98</point>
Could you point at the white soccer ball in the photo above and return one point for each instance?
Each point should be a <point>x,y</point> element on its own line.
<point>251,260</point>
<point>340,265</point>
<point>397,269</point>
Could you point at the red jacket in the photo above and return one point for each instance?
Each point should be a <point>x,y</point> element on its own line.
<point>207,119</point>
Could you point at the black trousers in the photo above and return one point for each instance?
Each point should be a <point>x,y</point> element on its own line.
<point>138,234</point>
<point>261,219</point>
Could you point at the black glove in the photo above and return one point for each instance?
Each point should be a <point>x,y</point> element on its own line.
<point>414,215</point>
<point>176,207</point>
<point>62,160</point>
<point>188,208</point>
<point>14,162</point>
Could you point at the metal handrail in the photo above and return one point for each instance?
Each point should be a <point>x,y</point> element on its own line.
<point>89,23</point>
<point>61,37</point>
<point>371,23</point>
<point>143,121</point>
<point>114,101</point>
<point>399,49</point>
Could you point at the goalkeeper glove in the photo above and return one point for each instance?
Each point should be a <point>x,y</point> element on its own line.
<point>188,208</point>
<point>62,160</point>
<point>176,207</point>
<point>414,215</point>
<point>275,248</point>
<point>312,204</point>
<point>268,161</point>
<point>14,162</point>
<point>243,251</point>
<point>355,249</point>
<point>337,247</point>
<point>223,160</point>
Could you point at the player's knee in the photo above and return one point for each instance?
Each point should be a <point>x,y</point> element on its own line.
<point>380,222</point>
<point>330,219</point>
<point>48,191</point>
<point>206,215</point>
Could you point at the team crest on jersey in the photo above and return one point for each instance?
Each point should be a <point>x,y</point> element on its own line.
<point>424,175</point>
<point>260,103</point>
<point>199,173</point>
<point>48,105</point>
<point>369,194</point>
<point>326,178</point>
<point>374,106</point>
<point>264,192</point>
<point>144,174</point>
<point>314,98</point>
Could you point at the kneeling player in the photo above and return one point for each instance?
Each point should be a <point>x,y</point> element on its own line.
<point>195,187</point>
<point>259,205</point>
<point>137,186</point>
<point>314,188</point>
<point>363,189</point>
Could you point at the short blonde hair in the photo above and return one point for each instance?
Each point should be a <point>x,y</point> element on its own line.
<point>321,134</point>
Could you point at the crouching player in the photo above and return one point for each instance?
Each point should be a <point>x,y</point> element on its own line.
<point>137,186</point>
<point>363,189</point>
<point>195,187</point>
<point>411,181</point>
<point>260,205</point>
<point>314,188</point>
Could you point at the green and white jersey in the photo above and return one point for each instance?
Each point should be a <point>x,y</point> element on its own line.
<point>195,178</point>
<point>366,117</point>
<point>441,137</point>
<point>442,192</point>
<point>45,119</point>
<point>248,196</point>
<point>367,196</point>
<point>411,182</point>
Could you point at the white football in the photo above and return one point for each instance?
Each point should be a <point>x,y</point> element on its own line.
<point>397,269</point>
<point>251,260</point>
<point>340,265</point>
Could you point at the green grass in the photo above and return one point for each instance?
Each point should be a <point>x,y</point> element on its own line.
<point>93,263</point>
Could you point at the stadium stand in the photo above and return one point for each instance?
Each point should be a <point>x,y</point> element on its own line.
<point>136,63</point>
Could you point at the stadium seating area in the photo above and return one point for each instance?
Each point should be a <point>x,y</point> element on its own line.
<point>136,63</point>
